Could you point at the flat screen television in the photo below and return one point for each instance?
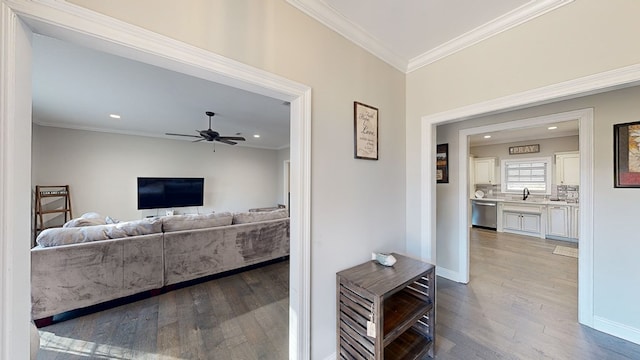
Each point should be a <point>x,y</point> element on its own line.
<point>160,193</point>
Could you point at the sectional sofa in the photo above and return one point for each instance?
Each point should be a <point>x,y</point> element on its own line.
<point>85,263</point>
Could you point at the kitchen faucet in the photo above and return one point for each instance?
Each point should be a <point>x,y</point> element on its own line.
<point>525,193</point>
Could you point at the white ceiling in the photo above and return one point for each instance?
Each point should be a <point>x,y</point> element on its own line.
<point>409,34</point>
<point>76,87</point>
<point>562,129</point>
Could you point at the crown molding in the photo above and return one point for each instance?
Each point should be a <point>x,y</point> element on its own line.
<point>524,13</point>
<point>335,21</point>
<point>329,17</point>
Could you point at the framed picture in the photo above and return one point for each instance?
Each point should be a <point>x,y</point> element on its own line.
<point>365,123</point>
<point>442,163</point>
<point>626,150</point>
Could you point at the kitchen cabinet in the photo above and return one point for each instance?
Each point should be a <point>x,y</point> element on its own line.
<point>568,168</point>
<point>484,170</point>
<point>386,312</point>
<point>563,221</point>
<point>521,222</point>
<point>558,221</point>
<point>574,231</point>
<point>523,219</point>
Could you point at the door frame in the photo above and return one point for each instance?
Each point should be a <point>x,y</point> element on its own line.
<point>84,27</point>
<point>588,85</point>
<point>585,265</point>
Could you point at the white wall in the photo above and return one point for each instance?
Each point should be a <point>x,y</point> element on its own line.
<point>102,169</point>
<point>615,210</point>
<point>357,205</point>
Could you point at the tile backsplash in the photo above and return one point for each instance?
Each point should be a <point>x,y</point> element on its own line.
<point>568,193</point>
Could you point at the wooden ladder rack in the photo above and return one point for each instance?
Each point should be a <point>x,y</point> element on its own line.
<point>54,207</point>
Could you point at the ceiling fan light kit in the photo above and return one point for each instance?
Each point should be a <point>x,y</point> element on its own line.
<point>211,135</point>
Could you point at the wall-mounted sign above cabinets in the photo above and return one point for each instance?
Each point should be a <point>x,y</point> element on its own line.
<point>524,149</point>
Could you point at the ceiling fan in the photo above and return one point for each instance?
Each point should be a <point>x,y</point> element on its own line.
<point>212,135</point>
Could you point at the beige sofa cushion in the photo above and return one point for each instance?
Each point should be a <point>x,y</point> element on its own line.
<point>73,235</point>
<point>195,221</point>
<point>250,217</point>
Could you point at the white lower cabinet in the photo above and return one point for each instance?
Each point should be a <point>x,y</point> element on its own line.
<point>558,222</point>
<point>521,222</point>
<point>575,221</point>
<point>562,221</point>
<point>520,218</point>
<point>511,221</point>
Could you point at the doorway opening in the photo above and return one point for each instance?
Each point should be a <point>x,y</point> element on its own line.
<point>585,125</point>
<point>68,23</point>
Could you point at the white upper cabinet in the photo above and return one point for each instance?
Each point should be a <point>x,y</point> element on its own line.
<point>484,170</point>
<point>568,168</point>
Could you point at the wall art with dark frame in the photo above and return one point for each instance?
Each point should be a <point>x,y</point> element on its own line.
<point>626,150</point>
<point>442,163</point>
<point>365,131</point>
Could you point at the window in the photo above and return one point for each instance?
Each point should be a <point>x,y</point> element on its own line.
<point>531,173</point>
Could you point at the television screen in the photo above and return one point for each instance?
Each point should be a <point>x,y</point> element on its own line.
<point>159,193</point>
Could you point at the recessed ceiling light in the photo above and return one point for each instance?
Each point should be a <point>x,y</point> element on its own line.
<point>487,136</point>
<point>552,127</point>
<point>114,116</point>
<point>256,135</point>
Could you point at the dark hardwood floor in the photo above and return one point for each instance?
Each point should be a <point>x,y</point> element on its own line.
<point>521,303</point>
<point>241,316</point>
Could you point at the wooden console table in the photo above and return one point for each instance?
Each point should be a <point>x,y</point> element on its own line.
<point>386,312</point>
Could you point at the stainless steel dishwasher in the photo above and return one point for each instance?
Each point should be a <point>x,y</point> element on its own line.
<point>484,213</point>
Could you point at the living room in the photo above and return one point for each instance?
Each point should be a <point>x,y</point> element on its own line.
<point>102,169</point>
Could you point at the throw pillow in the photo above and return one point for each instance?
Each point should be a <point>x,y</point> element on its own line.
<point>78,222</point>
<point>140,227</point>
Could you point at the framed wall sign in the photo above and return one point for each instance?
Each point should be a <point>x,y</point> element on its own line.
<point>626,150</point>
<point>524,149</point>
<point>365,123</point>
<point>442,163</point>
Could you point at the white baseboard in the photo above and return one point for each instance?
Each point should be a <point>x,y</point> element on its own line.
<point>449,274</point>
<point>616,329</point>
<point>331,357</point>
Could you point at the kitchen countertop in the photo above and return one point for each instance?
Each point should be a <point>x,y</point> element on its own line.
<point>528,201</point>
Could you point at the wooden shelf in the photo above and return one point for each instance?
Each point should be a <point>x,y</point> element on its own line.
<point>401,311</point>
<point>61,205</point>
<point>386,312</point>
<point>54,211</point>
<point>410,345</point>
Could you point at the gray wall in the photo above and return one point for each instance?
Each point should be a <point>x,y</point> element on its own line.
<point>548,147</point>
<point>102,169</point>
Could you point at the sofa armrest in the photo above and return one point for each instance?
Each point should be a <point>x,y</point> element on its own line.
<point>74,276</point>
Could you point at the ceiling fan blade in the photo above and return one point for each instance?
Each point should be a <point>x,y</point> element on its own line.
<point>182,135</point>
<point>201,139</point>
<point>235,138</point>
<point>223,140</point>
